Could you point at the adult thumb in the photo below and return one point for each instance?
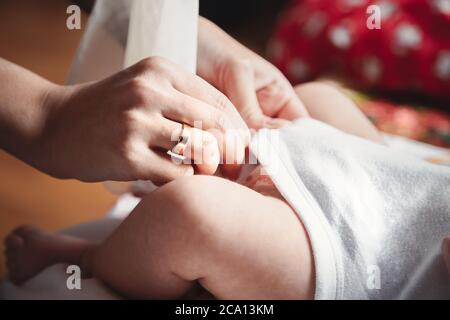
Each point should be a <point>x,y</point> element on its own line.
<point>240,88</point>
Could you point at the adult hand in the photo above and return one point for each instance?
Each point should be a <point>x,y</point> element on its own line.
<point>263,96</point>
<point>120,128</point>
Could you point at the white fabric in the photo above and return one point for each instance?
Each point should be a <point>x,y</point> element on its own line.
<point>416,148</point>
<point>122,32</point>
<point>366,207</point>
<point>102,48</point>
<point>166,28</point>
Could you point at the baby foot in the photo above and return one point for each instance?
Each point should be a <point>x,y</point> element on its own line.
<point>28,251</point>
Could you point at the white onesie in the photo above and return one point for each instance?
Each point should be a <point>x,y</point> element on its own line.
<point>376,217</point>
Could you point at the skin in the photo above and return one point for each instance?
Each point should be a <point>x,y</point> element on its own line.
<point>255,248</point>
<point>125,122</point>
<point>115,128</point>
<point>252,246</point>
<point>260,92</point>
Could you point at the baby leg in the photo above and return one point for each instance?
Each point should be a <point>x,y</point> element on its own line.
<point>328,104</point>
<point>235,242</point>
<point>29,250</point>
<point>232,240</point>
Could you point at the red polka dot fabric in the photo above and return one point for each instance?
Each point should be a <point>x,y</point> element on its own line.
<point>410,51</point>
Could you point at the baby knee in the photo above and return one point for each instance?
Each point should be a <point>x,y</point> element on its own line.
<point>315,87</point>
<point>196,197</point>
<point>189,214</point>
<point>187,201</point>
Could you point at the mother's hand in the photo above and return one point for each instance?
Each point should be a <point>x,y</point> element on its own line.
<point>263,96</point>
<point>120,128</point>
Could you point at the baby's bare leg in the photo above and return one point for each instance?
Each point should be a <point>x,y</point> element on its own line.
<point>29,250</point>
<point>328,104</point>
<point>235,242</point>
<point>232,240</point>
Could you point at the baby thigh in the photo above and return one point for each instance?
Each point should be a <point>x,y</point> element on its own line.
<point>235,242</point>
<point>257,247</point>
<point>250,246</point>
<point>327,103</point>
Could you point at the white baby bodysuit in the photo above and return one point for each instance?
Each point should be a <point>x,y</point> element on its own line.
<point>376,217</point>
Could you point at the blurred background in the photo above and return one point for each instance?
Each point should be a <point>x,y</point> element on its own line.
<point>33,35</point>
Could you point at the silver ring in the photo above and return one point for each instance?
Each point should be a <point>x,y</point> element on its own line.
<point>177,151</point>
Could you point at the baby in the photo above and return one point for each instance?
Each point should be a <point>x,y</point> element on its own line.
<point>237,241</point>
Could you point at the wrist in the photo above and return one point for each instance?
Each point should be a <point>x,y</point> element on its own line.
<point>25,124</point>
<point>38,147</point>
<point>207,60</point>
<point>42,147</point>
<point>27,102</point>
<point>217,50</point>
